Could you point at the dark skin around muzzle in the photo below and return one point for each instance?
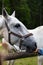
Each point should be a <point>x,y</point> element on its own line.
<point>29,43</point>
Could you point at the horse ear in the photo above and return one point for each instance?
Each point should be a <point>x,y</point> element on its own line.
<point>13,14</point>
<point>4,13</point>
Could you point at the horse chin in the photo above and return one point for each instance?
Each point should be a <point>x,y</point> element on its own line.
<point>29,50</point>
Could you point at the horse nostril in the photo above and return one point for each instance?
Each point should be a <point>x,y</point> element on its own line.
<point>35,45</point>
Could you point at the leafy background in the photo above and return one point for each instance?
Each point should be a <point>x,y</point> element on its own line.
<point>30,12</point>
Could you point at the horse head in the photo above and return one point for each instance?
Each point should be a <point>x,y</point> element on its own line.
<point>16,26</point>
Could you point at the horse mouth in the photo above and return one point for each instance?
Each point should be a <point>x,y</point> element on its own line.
<point>36,51</point>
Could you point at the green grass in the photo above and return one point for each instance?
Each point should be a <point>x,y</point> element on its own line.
<point>26,61</point>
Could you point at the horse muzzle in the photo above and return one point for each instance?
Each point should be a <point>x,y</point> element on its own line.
<point>28,45</point>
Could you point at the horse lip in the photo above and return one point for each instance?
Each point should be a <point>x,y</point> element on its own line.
<point>36,51</point>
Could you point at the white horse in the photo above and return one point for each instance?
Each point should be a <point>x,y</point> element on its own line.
<point>12,20</point>
<point>28,44</point>
<point>38,35</point>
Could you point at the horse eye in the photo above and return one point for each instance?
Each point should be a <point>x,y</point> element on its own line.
<point>17,25</point>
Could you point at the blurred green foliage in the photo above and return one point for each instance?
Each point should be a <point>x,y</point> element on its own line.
<point>30,12</point>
